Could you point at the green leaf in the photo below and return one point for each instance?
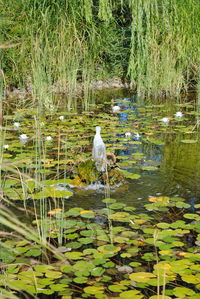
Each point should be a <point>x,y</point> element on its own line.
<point>131,294</point>
<point>53,274</point>
<point>189,141</point>
<point>33,252</point>
<point>97,271</point>
<point>117,288</point>
<point>109,249</point>
<point>130,175</point>
<point>155,141</point>
<point>51,192</point>
<point>141,276</point>
<point>109,200</point>
<point>149,168</point>
<point>182,292</point>
<point>93,290</point>
<point>80,280</point>
<point>117,206</point>
<point>75,255</point>
<point>58,287</point>
<point>86,240</point>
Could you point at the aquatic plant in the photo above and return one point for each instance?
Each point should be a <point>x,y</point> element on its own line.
<point>165,120</point>
<point>110,249</point>
<point>178,114</point>
<point>148,258</point>
<point>55,47</point>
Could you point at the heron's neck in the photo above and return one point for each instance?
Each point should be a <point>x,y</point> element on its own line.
<point>98,130</point>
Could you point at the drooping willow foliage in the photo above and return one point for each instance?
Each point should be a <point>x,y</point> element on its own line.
<point>153,44</point>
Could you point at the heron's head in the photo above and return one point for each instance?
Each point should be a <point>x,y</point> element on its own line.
<point>98,129</point>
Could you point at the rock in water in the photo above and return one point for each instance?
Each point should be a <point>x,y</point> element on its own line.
<point>87,172</point>
<point>99,151</point>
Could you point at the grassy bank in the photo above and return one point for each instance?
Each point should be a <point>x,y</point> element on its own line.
<point>152,44</point>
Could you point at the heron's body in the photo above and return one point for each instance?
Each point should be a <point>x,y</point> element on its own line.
<point>99,151</point>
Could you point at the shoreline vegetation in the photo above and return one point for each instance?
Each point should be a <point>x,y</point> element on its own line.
<point>152,46</point>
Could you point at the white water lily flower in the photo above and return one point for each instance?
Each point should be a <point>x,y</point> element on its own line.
<point>48,138</point>
<point>41,124</point>
<point>115,109</point>
<point>165,120</point>
<point>128,134</point>
<point>23,136</point>
<point>137,135</point>
<point>5,146</point>
<point>179,114</point>
<point>61,117</point>
<point>16,125</point>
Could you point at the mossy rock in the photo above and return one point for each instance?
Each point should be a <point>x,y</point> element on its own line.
<point>87,172</point>
<point>115,177</point>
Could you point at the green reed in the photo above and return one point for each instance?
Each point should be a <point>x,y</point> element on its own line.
<point>162,48</point>
<point>64,45</point>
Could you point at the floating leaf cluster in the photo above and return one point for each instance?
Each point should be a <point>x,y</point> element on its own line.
<point>134,258</point>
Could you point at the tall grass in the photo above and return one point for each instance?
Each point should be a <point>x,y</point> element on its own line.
<point>164,54</point>
<point>153,44</point>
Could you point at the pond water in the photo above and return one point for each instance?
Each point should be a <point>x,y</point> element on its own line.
<point>164,152</point>
<point>165,155</point>
<point>137,239</point>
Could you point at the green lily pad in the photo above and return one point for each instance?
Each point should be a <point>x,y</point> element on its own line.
<point>189,141</point>
<point>53,274</point>
<point>117,288</point>
<point>97,271</point>
<point>33,252</point>
<point>52,192</point>
<point>58,287</point>
<point>155,141</point>
<point>80,280</point>
<point>149,168</point>
<point>83,265</point>
<point>131,294</point>
<point>87,214</point>
<point>182,292</point>
<point>6,256</point>
<point>86,240</point>
<point>81,273</point>
<point>109,200</point>
<point>141,276</point>
<point>120,216</point>
<point>110,249</point>
<point>117,206</point>
<point>75,255</point>
<point>130,175</point>
<point>93,290</point>
<point>160,297</point>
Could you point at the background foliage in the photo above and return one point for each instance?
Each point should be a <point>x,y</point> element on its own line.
<point>154,44</point>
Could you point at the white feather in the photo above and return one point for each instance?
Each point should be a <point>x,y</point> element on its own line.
<point>99,151</point>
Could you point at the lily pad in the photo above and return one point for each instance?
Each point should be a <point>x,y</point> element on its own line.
<point>93,290</point>
<point>141,276</point>
<point>53,192</point>
<point>75,255</point>
<point>189,141</point>
<point>130,175</point>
